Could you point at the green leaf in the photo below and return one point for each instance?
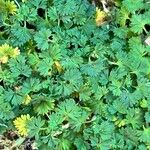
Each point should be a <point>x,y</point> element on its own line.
<point>138,23</point>
<point>93,69</point>
<point>44,106</point>
<point>55,122</point>
<point>147,117</point>
<point>144,135</point>
<point>5,106</point>
<point>35,126</point>
<point>18,66</point>
<point>39,3</point>
<point>74,77</point>
<point>85,93</point>
<point>80,144</point>
<point>42,38</point>
<point>53,14</point>
<point>45,66</point>
<point>31,85</point>
<point>136,45</point>
<point>20,35</point>
<point>64,144</point>
<point>134,117</point>
<point>133,5</point>
<point>14,97</point>
<point>122,16</point>
<point>69,110</point>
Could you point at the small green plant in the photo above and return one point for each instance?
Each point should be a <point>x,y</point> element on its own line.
<point>76,76</point>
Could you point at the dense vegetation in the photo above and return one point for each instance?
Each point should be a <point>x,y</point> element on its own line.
<point>75,74</point>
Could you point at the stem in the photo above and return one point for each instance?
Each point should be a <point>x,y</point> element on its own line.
<point>145,30</point>
<point>17,3</point>
<point>147,124</point>
<point>47,116</point>
<point>93,119</point>
<point>0,67</point>
<point>112,63</point>
<point>43,128</point>
<point>4,23</point>
<point>144,53</point>
<point>46,15</point>
<point>29,51</point>
<point>25,24</point>
<point>3,125</point>
<point>58,23</point>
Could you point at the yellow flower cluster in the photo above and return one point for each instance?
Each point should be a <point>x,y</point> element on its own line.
<point>21,124</point>
<point>7,52</point>
<point>11,7</point>
<point>119,122</point>
<point>26,100</point>
<point>58,66</point>
<point>100,17</point>
<point>144,103</point>
<point>8,7</point>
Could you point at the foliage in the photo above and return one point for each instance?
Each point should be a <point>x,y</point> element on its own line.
<point>76,76</point>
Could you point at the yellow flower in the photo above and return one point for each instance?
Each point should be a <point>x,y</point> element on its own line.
<point>26,100</point>
<point>114,118</point>
<point>15,52</point>
<point>7,51</point>
<point>11,7</point>
<point>144,103</point>
<point>120,123</point>
<point>100,17</point>
<point>4,59</point>
<point>21,124</point>
<point>4,48</point>
<point>58,66</point>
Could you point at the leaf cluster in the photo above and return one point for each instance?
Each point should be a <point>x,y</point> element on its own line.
<point>88,86</point>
